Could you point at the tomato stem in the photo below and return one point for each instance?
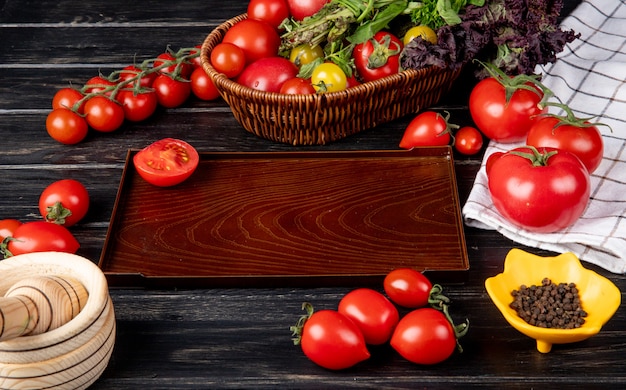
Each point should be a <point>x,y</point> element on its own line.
<point>4,247</point>
<point>570,118</point>
<point>296,330</point>
<point>440,302</point>
<point>536,158</point>
<point>57,213</point>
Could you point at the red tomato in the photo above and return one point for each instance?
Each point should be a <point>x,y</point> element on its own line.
<point>103,114</point>
<point>196,62</point>
<point>66,98</point>
<point>424,336</point>
<point>544,190</point>
<point>228,58</point>
<point>297,86</point>
<point>583,141</point>
<point>378,57</point>
<point>171,66</point>
<point>272,12</point>
<point>300,9</point>
<point>491,159</point>
<point>98,84</point>
<point>202,86</point>
<point>372,312</point>
<point>257,39</point>
<point>468,141</point>
<point>171,93</point>
<point>64,202</point>
<point>407,287</point>
<point>426,129</point>
<point>66,126</point>
<point>268,74</point>
<point>166,162</point>
<point>130,72</point>
<point>498,119</point>
<point>8,227</point>
<point>137,107</point>
<point>331,340</point>
<point>41,236</point>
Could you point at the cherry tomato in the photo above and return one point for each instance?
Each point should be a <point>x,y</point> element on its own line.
<point>131,71</point>
<point>585,142</point>
<point>66,126</point>
<point>8,227</point>
<point>228,58</point>
<point>268,74</point>
<point>257,39</point>
<point>424,336</point>
<point>468,140</point>
<point>137,106</point>
<point>378,57</point>
<point>328,77</point>
<point>183,68</point>
<point>300,9</point>
<point>64,202</point>
<point>372,312</point>
<point>202,86</point>
<point>98,84</point>
<point>66,98</point>
<point>41,236</point>
<point>542,190</point>
<point>272,12</point>
<point>297,86</point>
<point>498,119</point>
<point>330,339</point>
<point>305,54</point>
<point>166,162</point>
<point>407,287</point>
<point>422,31</point>
<point>196,62</point>
<point>171,93</point>
<point>429,128</point>
<point>103,114</point>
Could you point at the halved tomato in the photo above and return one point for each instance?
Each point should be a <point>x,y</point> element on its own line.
<point>166,162</point>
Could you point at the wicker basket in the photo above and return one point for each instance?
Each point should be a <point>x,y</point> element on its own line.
<point>322,118</point>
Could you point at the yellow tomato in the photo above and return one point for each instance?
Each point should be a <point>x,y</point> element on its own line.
<point>425,32</point>
<point>304,54</point>
<point>328,77</point>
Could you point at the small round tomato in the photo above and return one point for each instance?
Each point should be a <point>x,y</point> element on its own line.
<point>137,106</point>
<point>297,86</point>
<point>98,84</point>
<point>67,98</point>
<point>328,77</point>
<point>300,9</point>
<point>171,66</point>
<point>8,227</point>
<point>228,58</point>
<point>103,114</point>
<point>422,31</point>
<point>256,38</point>
<point>202,86</point>
<point>166,162</point>
<point>378,57</point>
<point>468,140</point>
<point>429,128</point>
<point>305,54</point>
<point>272,12</point>
<point>330,339</point>
<point>268,74</point>
<point>424,336</point>
<point>41,236</point>
<point>407,287</point>
<point>196,62</point>
<point>372,312</point>
<point>64,202</point>
<point>66,126</point>
<point>171,93</point>
<point>130,72</point>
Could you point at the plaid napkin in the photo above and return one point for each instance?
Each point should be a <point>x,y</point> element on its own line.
<point>589,76</point>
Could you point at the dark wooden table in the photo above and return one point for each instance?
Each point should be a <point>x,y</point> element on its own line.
<point>236,337</point>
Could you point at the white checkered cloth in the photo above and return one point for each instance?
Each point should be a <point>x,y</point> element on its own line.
<point>589,76</point>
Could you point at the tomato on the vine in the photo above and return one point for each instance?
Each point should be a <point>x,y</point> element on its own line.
<point>328,77</point>
<point>66,98</point>
<point>196,62</point>
<point>256,38</point>
<point>228,58</point>
<point>171,93</point>
<point>137,106</point>
<point>378,57</point>
<point>183,68</point>
<point>64,202</point>
<point>297,86</point>
<point>8,227</point>
<point>98,84</point>
<point>300,9</point>
<point>429,128</point>
<point>130,72</point>
<point>372,312</point>
<point>330,339</point>
<point>40,236</point>
<point>66,126</point>
<point>468,140</point>
<point>166,162</point>
<point>539,189</point>
<point>272,12</point>
<point>202,86</point>
<point>103,114</point>
<point>407,287</point>
<point>268,74</point>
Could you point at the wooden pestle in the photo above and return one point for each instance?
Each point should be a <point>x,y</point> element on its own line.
<point>39,304</point>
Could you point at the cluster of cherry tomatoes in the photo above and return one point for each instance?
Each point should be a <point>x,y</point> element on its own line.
<point>338,339</point>
<point>62,204</point>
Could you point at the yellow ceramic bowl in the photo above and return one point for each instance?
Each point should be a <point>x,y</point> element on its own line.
<point>599,297</point>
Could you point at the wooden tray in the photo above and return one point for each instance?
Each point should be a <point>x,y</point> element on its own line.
<point>289,219</point>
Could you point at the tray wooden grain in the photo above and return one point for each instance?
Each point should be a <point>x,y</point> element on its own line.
<point>289,219</point>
